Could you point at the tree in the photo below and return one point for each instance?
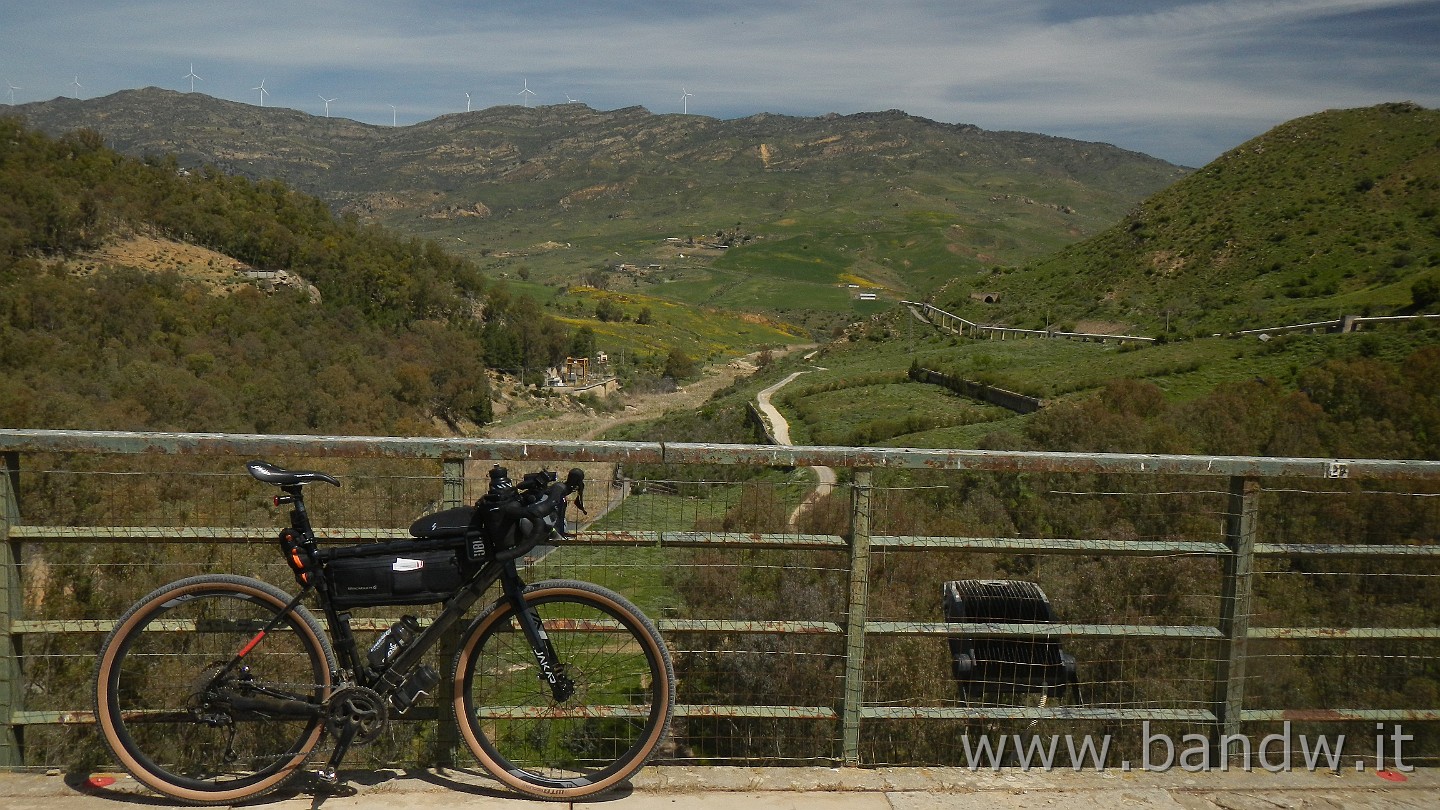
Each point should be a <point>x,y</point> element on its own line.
<point>1425,293</point>
<point>679,365</point>
<point>582,343</point>
<point>607,310</point>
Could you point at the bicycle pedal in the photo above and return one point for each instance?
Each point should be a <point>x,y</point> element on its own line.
<point>330,786</point>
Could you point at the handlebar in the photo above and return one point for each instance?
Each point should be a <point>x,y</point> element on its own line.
<point>540,498</point>
<point>537,504</point>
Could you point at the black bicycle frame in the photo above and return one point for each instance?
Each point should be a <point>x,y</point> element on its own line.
<point>387,680</point>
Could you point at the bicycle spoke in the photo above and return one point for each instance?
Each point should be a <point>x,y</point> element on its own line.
<point>604,730</point>
<point>187,719</point>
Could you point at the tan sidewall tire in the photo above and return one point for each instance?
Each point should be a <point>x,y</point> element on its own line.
<point>105,723</point>
<point>502,610</point>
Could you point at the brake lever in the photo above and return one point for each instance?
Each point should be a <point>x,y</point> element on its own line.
<point>575,482</point>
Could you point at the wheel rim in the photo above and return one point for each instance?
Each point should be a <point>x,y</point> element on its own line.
<point>588,741</point>
<point>169,734</point>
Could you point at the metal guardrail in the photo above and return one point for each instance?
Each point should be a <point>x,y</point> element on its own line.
<point>1223,711</point>
<point>962,326</point>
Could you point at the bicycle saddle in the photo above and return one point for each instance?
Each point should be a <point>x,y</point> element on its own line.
<point>271,474</point>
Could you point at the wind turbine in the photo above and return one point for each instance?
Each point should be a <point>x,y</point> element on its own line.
<point>263,92</point>
<point>327,104</point>
<point>392,115</point>
<point>192,77</point>
<point>467,102</point>
<point>685,101</point>
<point>569,100</point>
<point>13,88</point>
<point>78,86</point>
<point>523,100</point>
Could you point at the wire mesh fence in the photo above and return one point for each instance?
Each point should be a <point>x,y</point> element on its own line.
<point>843,623</point>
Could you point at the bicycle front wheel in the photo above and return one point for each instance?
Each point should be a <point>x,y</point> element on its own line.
<point>200,702</point>
<point>598,736</point>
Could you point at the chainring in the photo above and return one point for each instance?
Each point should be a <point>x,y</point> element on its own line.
<point>361,706</point>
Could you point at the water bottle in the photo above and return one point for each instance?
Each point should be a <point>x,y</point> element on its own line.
<point>392,641</point>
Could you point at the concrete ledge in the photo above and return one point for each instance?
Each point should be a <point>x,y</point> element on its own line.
<point>801,788</point>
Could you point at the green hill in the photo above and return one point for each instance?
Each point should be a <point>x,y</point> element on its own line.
<point>136,296</point>
<point>770,213</point>
<point>1334,213</point>
<point>1327,215</point>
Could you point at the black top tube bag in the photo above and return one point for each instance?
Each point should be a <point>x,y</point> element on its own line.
<point>501,525</point>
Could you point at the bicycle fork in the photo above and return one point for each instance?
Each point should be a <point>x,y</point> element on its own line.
<point>552,671</point>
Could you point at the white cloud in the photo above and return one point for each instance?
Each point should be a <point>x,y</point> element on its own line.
<point>1183,80</point>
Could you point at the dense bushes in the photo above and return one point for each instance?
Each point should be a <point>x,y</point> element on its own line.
<point>1345,408</point>
<point>394,344</point>
<point>142,351</point>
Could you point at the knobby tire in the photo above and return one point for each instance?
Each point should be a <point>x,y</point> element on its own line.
<point>619,712</point>
<point>152,705</point>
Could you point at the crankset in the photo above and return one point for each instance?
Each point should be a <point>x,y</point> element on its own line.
<point>359,708</point>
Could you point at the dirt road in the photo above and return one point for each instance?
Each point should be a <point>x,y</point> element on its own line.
<point>575,424</point>
<point>824,476</point>
<point>601,494</point>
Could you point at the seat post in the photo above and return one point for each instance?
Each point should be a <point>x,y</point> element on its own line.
<point>299,517</point>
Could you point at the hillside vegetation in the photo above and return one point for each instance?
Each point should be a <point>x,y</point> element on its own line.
<point>1335,213</point>
<point>770,213</point>
<point>395,350</point>
<point>1326,215</point>
<point>388,337</point>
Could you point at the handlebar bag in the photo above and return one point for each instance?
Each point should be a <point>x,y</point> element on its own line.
<point>495,527</point>
<point>503,525</point>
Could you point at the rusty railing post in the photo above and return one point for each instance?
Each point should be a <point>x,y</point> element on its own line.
<point>1241,515</point>
<point>447,731</point>
<point>452,475</point>
<point>855,616</point>
<point>12,675</point>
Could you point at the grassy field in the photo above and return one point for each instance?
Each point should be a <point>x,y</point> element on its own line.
<point>656,325</point>
<point>852,392</point>
<point>808,238</point>
<point>1332,213</point>
<point>643,573</point>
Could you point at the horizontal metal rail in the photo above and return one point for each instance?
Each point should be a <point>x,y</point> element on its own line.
<point>1021,713</point>
<point>87,718</point>
<point>1339,715</point>
<point>1345,633</point>
<point>1037,630</point>
<point>851,704</point>
<point>125,442</point>
<point>23,627</point>
<point>678,539</point>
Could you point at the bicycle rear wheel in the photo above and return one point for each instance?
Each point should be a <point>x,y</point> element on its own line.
<point>183,721</point>
<point>624,689</point>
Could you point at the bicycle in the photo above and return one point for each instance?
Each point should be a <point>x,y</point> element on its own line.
<point>217,688</point>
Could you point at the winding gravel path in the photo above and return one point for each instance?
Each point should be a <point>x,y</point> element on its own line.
<point>824,476</point>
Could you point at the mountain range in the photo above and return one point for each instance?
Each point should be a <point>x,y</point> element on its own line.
<point>554,193</point>
<point>819,221</point>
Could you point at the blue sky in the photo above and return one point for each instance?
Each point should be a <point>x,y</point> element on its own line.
<point>1180,80</point>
